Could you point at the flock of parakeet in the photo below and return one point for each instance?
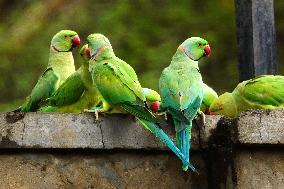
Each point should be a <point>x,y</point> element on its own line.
<point>106,84</point>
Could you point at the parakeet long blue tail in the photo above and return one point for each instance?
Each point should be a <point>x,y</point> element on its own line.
<point>158,132</point>
<point>184,137</point>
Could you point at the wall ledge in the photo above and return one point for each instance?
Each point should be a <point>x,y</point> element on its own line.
<point>62,130</point>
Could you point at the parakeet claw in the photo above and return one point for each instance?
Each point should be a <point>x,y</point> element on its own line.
<point>93,111</point>
<point>96,110</point>
<point>97,115</point>
<point>162,114</point>
<point>201,117</point>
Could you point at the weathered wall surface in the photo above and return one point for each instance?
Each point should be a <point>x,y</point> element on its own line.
<point>35,130</point>
<point>102,170</point>
<point>260,168</point>
<point>77,151</point>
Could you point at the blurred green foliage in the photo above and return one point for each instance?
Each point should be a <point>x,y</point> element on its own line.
<point>144,33</point>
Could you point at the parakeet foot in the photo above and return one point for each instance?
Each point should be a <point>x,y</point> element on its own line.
<point>200,120</point>
<point>202,116</point>
<point>162,114</point>
<point>93,111</point>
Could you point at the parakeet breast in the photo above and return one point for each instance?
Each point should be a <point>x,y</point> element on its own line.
<point>62,64</point>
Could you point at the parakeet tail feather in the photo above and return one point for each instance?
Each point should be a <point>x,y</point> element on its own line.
<point>158,132</point>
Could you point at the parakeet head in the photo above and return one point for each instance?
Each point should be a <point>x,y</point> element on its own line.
<point>85,53</point>
<point>155,106</point>
<point>224,105</point>
<point>97,44</point>
<point>65,40</point>
<point>153,99</point>
<point>195,48</point>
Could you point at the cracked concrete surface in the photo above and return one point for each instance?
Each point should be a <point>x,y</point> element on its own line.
<point>100,126</point>
<point>261,127</point>
<point>259,130</point>
<point>24,126</point>
<point>59,130</point>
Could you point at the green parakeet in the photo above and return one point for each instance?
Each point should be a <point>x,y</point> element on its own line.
<point>77,92</point>
<point>60,67</point>
<point>119,86</point>
<point>181,89</point>
<point>262,92</point>
<point>208,97</point>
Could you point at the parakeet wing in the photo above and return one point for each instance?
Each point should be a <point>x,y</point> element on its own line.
<point>129,70</point>
<point>111,77</point>
<point>178,90</point>
<point>45,86</point>
<point>263,90</point>
<point>69,92</point>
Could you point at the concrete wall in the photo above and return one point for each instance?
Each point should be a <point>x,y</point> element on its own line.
<point>77,151</point>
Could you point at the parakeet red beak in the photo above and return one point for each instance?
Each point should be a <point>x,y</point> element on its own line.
<point>207,50</point>
<point>88,53</point>
<point>155,106</point>
<point>76,40</point>
<point>211,113</point>
<point>208,112</point>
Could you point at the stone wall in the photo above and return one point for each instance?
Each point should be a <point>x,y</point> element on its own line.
<point>41,150</point>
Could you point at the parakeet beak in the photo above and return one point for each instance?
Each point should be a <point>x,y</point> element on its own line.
<point>155,106</point>
<point>76,40</point>
<point>208,112</point>
<point>207,50</point>
<point>212,113</point>
<point>88,53</point>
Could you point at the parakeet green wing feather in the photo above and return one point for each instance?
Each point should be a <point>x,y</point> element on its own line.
<point>141,112</point>
<point>69,92</point>
<point>43,89</point>
<point>263,90</point>
<point>123,87</point>
<point>129,70</point>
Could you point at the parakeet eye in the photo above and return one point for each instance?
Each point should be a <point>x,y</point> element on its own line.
<point>199,44</point>
<point>65,36</point>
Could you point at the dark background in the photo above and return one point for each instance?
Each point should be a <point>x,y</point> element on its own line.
<point>144,33</point>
